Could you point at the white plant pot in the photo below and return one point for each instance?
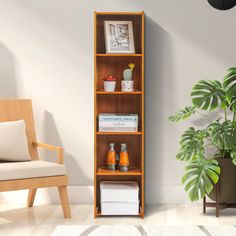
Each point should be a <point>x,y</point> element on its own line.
<point>127,85</point>
<point>109,86</point>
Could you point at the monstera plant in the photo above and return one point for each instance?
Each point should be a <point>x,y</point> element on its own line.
<point>202,169</point>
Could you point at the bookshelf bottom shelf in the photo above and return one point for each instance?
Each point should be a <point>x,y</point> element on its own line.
<point>99,214</point>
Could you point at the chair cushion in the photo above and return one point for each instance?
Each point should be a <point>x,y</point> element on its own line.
<point>30,169</point>
<point>13,141</point>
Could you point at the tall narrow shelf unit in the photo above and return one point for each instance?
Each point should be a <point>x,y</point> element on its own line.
<point>118,102</point>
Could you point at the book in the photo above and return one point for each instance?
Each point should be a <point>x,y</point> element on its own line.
<point>109,122</point>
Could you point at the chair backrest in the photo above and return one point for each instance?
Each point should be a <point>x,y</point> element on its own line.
<point>21,109</point>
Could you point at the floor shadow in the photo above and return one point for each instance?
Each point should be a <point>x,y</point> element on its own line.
<point>74,171</point>
<point>159,78</point>
<point>8,84</point>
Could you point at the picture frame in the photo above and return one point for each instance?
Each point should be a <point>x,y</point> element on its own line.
<point>119,37</point>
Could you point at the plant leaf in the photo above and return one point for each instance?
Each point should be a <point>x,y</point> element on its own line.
<point>229,84</point>
<point>223,135</point>
<point>191,143</point>
<point>233,156</point>
<point>199,181</point>
<point>182,114</point>
<point>206,94</point>
<point>232,105</point>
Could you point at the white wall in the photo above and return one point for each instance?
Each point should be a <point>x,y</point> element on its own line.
<point>46,53</point>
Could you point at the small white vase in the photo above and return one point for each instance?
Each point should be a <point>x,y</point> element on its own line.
<point>127,85</point>
<point>109,86</point>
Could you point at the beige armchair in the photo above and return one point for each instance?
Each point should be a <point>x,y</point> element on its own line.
<point>35,173</point>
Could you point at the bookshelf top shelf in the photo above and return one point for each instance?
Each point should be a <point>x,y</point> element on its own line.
<point>119,13</point>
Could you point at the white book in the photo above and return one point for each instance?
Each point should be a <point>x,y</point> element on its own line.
<point>119,191</point>
<point>120,208</point>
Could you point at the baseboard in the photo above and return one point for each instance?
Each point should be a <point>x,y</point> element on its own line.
<point>165,195</point>
<point>84,195</point>
<point>77,195</point>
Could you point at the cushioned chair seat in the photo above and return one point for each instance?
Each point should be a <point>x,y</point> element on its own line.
<point>30,169</point>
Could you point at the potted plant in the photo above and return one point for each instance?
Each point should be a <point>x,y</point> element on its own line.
<point>203,169</point>
<point>127,85</point>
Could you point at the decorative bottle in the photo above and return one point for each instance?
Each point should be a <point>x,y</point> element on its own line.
<point>111,157</point>
<point>124,158</point>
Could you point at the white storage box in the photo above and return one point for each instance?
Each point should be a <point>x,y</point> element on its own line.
<point>120,208</point>
<point>117,122</point>
<point>119,198</point>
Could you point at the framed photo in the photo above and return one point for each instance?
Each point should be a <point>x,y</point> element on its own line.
<point>119,37</point>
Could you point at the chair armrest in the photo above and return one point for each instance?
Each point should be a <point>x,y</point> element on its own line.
<point>49,147</point>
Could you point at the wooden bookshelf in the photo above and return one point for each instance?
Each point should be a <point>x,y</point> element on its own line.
<point>118,102</point>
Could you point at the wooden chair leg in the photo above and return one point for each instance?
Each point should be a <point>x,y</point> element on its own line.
<point>31,197</point>
<point>64,201</point>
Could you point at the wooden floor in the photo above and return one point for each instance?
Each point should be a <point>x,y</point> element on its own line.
<point>42,220</point>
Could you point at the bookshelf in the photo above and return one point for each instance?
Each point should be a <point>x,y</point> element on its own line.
<point>118,102</point>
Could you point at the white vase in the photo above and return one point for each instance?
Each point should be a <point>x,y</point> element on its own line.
<point>109,86</point>
<point>127,85</point>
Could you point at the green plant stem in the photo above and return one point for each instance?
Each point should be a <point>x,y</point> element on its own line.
<point>234,116</point>
<point>226,115</point>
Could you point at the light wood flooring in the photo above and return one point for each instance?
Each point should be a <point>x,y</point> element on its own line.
<point>43,219</point>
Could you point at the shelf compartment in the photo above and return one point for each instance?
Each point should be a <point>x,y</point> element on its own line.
<point>134,148</point>
<point>115,66</point>
<point>137,28</point>
<point>136,178</point>
<point>119,133</point>
<point>102,92</point>
<point>124,104</point>
<point>132,171</point>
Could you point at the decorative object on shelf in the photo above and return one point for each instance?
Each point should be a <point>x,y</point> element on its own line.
<point>124,158</point>
<point>127,85</point>
<point>109,83</point>
<point>206,166</point>
<point>117,161</point>
<point>119,36</point>
<point>222,4</point>
<point>111,157</point>
<point>110,122</point>
<point>127,73</point>
<point>119,197</point>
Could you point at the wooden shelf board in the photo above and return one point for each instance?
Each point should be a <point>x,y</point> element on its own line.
<point>119,133</point>
<point>98,214</point>
<point>132,171</point>
<point>118,13</point>
<point>119,55</point>
<point>102,92</point>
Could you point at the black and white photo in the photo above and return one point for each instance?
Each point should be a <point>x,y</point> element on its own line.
<point>119,37</point>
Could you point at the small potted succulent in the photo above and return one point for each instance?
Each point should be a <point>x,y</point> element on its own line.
<point>127,85</point>
<point>109,83</point>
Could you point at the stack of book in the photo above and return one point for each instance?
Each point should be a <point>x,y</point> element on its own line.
<point>119,198</point>
<point>108,122</point>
